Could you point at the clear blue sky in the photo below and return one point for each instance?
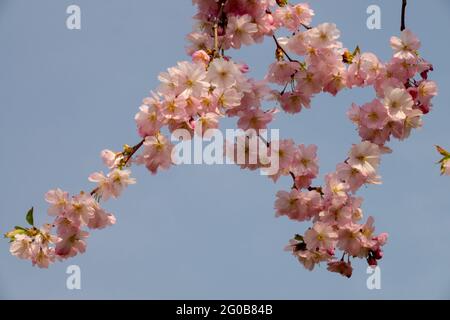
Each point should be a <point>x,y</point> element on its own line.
<point>199,231</point>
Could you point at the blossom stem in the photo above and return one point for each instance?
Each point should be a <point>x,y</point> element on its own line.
<point>403,23</point>
<point>282,50</point>
<point>306,26</point>
<point>293,178</point>
<point>216,27</point>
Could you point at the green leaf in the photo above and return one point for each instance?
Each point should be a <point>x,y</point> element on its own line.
<point>11,235</point>
<point>29,217</point>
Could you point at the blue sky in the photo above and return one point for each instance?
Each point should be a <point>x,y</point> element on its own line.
<point>201,231</point>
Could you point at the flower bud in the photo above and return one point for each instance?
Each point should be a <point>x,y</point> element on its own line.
<point>372,261</point>
<point>282,3</point>
<point>378,254</point>
<point>201,56</point>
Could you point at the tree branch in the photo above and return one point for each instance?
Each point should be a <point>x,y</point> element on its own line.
<point>282,50</point>
<point>403,23</point>
<point>216,26</point>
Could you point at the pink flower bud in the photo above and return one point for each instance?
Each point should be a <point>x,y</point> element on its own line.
<point>425,108</point>
<point>372,261</point>
<point>109,158</point>
<point>200,56</point>
<point>244,68</point>
<point>382,238</point>
<point>413,92</point>
<point>378,254</point>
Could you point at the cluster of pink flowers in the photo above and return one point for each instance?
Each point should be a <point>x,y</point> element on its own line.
<point>199,92</point>
<point>72,215</point>
<point>401,102</point>
<point>238,22</point>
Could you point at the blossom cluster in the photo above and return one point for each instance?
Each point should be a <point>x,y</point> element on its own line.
<point>209,86</point>
<point>403,96</point>
<point>72,216</point>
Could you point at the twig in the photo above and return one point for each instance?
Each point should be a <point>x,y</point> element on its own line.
<point>306,26</point>
<point>216,26</point>
<point>403,23</point>
<point>282,50</point>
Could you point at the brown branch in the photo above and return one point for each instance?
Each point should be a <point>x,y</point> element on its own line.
<point>216,26</point>
<point>306,26</point>
<point>282,50</point>
<point>403,23</point>
<point>133,152</point>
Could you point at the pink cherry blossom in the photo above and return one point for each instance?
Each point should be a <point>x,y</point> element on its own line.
<point>292,102</point>
<point>228,98</point>
<point>241,30</point>
<point>335,187</point>
<point>281,72</point>
<point>149,121</point>
<point>321,235</point>
<point>190,78</point>
<point>21,246</point>
<point>426,91</point>
<point>42,256</point>
<point>113,184</point>
<point>287,203</point>
<point>349,239</point>
<point>255,119</point>
<point>298,205</point>
<point>208,121</point>
<point>374,115</point>
<point>341,267</point>
<point>352,176</point>
<point>72,244</point>
<point>222,73</point>
<point>173,107</point>
<point>59,201</point>
<point>310,258</point>
<point>292,17</point>
<point>101,219</point>
<point>365,157</point>
<point>399,102</point>
<point>81,209</point>
<point>200,56</point>
<point>284,151</point>
<point>305,162</point>
<point>406,46</point>
<point>157,153</point>
<point>110,158</point>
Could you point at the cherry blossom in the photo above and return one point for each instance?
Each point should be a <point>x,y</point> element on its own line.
<point>398,102</point>
<point>406,46</point>
<point>365,157</point>
<point>196,94</point>
<point>113,184</point>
